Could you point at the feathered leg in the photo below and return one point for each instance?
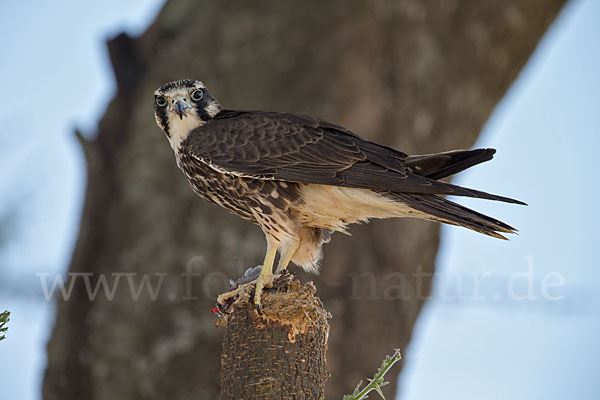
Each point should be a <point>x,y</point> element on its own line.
<point>286,255</point>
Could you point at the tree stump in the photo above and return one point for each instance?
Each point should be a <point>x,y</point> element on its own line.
<point>279,354</point>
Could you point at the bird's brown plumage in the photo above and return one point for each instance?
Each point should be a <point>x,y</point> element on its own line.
<point>300,178</point>
<point>291,147</point>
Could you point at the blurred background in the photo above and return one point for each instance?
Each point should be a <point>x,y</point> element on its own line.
<point>513,319</point>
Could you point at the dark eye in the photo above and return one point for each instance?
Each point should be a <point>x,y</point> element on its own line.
<point>161,101</point>
<point>197,95</point>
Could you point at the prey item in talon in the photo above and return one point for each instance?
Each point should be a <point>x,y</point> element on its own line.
<point>249,275</point>
<point>302,178</point>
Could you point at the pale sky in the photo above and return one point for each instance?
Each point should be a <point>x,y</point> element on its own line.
<point>546,131</point>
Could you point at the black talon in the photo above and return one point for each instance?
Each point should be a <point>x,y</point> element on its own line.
<point>257,306</point>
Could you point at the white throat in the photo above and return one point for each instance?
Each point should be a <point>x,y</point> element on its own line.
<point>179,129</point>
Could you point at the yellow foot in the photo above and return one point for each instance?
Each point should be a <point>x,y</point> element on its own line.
<point>264,280</point>
<point>224,298</point>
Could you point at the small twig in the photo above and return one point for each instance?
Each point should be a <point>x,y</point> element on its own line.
<point>378,380</point>
<point>4,318</point>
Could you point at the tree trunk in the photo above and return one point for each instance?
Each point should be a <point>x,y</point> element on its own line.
<point>277,355</point>
<point>422,76</point>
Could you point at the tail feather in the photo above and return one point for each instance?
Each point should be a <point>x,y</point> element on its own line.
<point>442,165</point>
<point>478,194</point>
<point>442,210</point>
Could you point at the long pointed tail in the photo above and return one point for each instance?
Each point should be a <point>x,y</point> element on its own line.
<point>442,210</point>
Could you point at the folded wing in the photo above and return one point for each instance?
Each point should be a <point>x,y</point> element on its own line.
<point>297,148</point>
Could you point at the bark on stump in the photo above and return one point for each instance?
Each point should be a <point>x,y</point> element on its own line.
<point>280,354</point>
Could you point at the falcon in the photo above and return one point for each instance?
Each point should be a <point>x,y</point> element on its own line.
<point>301,178</point>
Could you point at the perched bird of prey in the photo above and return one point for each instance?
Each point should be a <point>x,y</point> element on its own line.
<point>300,178</point>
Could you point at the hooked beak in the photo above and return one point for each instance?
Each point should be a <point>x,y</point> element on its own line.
<point>180,107</point>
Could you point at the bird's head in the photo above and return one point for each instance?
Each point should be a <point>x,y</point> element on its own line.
<point>181,106</point>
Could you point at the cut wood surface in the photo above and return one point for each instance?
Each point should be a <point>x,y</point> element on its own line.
<point>280,354</point>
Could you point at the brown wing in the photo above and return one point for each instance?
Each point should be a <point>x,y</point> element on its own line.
<point>297,148</point>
